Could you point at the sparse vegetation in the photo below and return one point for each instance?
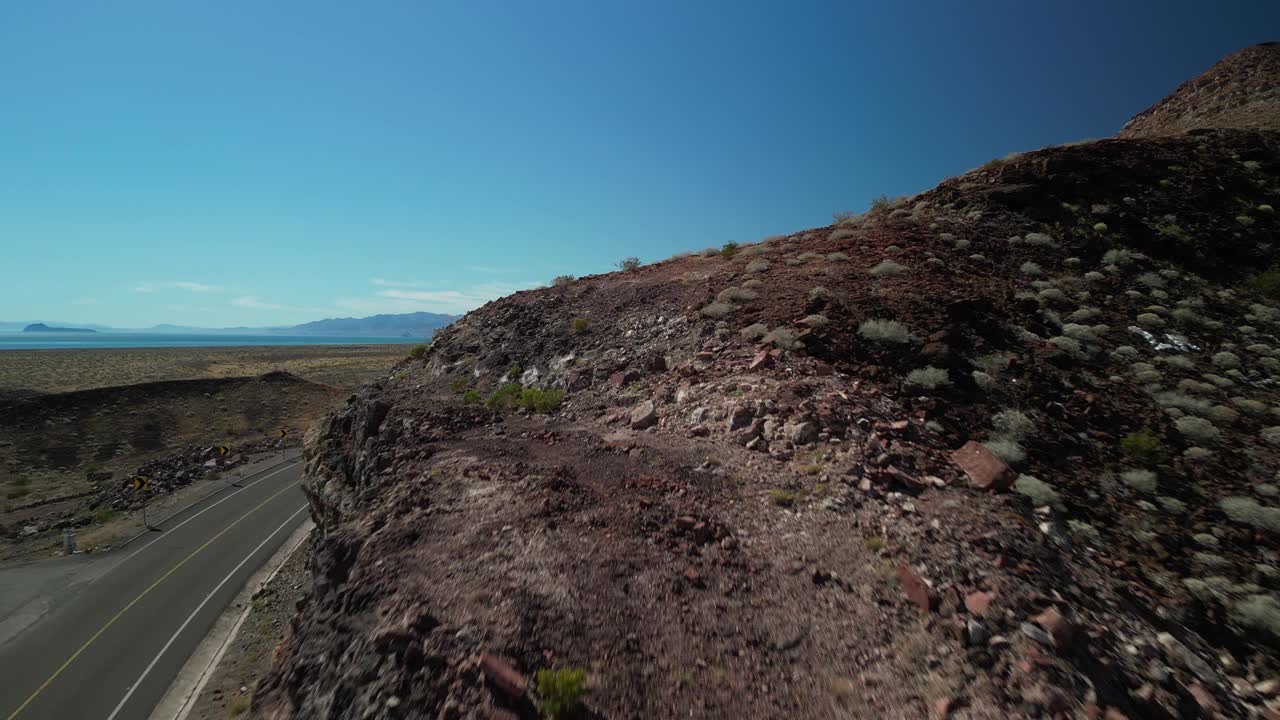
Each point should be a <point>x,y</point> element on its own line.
<point>781,337</point>
<point>628,264</point>
<point>1007,450</point>
<point>753,332</point>
<point>735,294</point>
<point>1039,492</point>
<point>783,498</point>
<point>886,331</point>
<point>881,204</point>
<point>1267,283</point>
<point>1013,424</point>
<point>815,321</point>
<point>1144,481</point>
<point>819,293</point>
<point>238,706</point>
<point>579,325</point>
<point>1030,268</point>
<point>837,257</point>
<point>887,268</point>
<point>729,249</point>
<point>928,378</point>
<point>717,310</point>
<point>562,280</point>
<point>471,397</point>
<point>417,351</point>
<point>757,265</point>
<point>1197,429</point>
<point>560,692</point>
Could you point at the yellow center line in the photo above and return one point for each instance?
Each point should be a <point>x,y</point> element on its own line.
<point>135,601</point>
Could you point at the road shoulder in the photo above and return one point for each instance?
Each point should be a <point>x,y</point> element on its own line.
<point>217,680</point>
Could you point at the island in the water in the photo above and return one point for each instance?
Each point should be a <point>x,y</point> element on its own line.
<point>41,327</point>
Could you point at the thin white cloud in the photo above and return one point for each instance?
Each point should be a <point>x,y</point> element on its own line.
<point>194,286</point>
<point>188,285</point>
<point>253,302</point>
<point>453,301</point>
<point>383,282</point>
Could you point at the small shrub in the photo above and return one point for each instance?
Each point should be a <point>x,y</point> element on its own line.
<point>1226,360</point>
<point>1247,510</point>
<point>886,331</point>
<point>753,332</point>
<point>881,204</point>
<point>729,249</point>
<point>757,266</point>
<point>1143,446</point>
<point>561,691</point>
<point>815,321</point>
<point>783,498</point>
<point>562,280</point>
<point>1030,268</point>
<point>417,351</point>
<point>102,514</point>
<point>1013,424</point>
<point>781,337</point>
<point>628,264</point>
<point>887,268</point>
<point>460,383</point>
<point>504,398</point>
<point>579,325</point>
<point>839,234</point>
<point>1144,481</point>
<point>1039,240</point>
<point>1259,612</point>
<point>874,544</point>
<point>1267,282</point>
<point>471,397</point>
<point>1100,227</point>
<point>1007,450</point>
<point>540,401</point>
<point>1039,492</point>
<point>1068,346</point>
<point>928,378</point>
<point>717,310</point>
<point>837,257</point>
<point>514,371</point>
<point>819,293</point>
<point>736,294</point>
<point>844,216</point>
<point>238,706</point>
<point>1197,429</point>
<point>1117,257</point>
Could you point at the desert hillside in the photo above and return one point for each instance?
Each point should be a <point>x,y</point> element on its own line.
<point>1009,447</point>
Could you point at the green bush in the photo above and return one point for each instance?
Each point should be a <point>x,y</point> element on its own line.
<point>541,401</point>
<point>471,397</point>
<point>561,691</point>
<point>514,371</point>
<point>729,249</point>
<point>460,383</point>
<point>783,498</point>
<point>418,351</point>
<point>628,264</point>
<point>102,515</point>
<point>504,398</point>
<point>1143,446</point>
<point>579,325</point>
<point>1267,282</point>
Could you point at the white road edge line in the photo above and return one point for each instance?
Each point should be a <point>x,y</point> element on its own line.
<point>193,517</point>
<point>195,612</point>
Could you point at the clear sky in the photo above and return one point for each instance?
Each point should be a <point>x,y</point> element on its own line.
<point>250,162</point>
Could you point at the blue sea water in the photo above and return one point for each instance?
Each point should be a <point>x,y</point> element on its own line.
<point>51,341</point>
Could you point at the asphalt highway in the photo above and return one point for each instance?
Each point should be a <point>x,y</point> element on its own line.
<point>112,646</point>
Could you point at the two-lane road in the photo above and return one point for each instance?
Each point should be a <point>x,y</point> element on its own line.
<point>111,650</point>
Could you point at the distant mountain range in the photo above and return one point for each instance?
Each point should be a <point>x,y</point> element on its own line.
<point>418,324</point>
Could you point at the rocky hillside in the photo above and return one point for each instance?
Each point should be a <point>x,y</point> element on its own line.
<point>1242,92</point>
<point>1006,448</point>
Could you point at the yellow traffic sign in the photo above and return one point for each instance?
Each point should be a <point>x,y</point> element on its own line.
<point>224,450</point>
<point>284,433</point>
<point>141,482</point>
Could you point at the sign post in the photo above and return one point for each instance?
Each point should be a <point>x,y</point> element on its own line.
<point>140,484</point>
<point>284,443</point>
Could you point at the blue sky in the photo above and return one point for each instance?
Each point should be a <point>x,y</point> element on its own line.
<point>258,163</point>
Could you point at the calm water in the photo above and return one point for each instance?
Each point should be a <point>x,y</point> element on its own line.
<point>45,341</point>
